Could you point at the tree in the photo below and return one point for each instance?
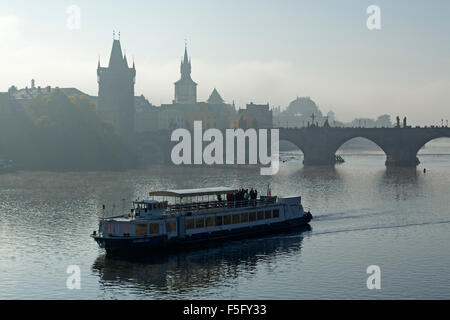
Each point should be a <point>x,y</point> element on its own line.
<point>57,132</point>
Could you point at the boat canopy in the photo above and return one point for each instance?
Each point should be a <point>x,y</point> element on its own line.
<point>193,192</point>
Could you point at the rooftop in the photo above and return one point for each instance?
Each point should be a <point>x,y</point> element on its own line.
<point>193,192</point>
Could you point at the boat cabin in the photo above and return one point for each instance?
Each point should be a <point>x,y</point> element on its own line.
<point>149,208</point>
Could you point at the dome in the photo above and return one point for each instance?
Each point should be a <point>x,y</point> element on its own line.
<point>303,106</point>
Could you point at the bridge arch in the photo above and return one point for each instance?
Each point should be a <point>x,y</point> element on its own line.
<point>430,141</point>
<point>288,145</point>
<point>373,141</point>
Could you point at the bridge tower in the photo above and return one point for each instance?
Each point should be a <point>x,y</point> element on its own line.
<point>116,91</point>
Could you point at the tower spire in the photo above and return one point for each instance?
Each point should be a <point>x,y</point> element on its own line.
<point>186,60</point>
<point>185,88</point>
<point>185,63</point>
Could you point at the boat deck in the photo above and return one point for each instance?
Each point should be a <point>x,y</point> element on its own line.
<point>208,205</point>
<point>205,207</point>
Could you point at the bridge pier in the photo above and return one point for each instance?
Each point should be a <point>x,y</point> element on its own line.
<point>318,157</point>
<point>401,157</point>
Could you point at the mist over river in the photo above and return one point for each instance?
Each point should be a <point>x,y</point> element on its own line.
<point>365,214</point>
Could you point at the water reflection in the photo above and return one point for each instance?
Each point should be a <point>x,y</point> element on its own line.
<point>319,173</point>
<point>401,183</point>
<point>203,267</point>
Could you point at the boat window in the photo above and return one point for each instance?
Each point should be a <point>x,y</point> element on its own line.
<point>236,218</point>
<point>209,222</point>
<point>125,228</point>
<point>260,215</point>
<point>189,224</point>
<point>171,226</point>
<point>226,219</point>
<point>218,220</point>
<point>110,228</point>
<point>276,213</point>
<point>200,222</point>
<point>141,229</point>
<point>268,214</point>
<point>244,217</point>
<point>154,228</point>
<point>252,216</point>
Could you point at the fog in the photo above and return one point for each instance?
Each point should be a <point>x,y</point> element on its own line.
<point>271,54</point>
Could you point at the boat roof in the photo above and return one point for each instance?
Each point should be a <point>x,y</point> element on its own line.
<point>146,201</point>
<point>193,192</point>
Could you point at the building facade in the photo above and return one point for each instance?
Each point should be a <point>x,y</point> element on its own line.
<point>260,115</point>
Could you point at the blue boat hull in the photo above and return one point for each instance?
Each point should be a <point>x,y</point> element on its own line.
<point>144,245</point>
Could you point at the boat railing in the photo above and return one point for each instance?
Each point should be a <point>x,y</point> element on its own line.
<point>210,205</point>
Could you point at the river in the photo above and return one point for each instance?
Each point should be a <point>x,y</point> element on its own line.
<point>365,214</point>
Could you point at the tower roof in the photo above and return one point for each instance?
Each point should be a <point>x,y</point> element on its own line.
<point>186,58</point>
<point>185,68</point>
<point>215,97</point>
<point>116,59</point>
<point>125,60</point>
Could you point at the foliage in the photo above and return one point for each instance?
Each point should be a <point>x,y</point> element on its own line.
<point>57,132</point>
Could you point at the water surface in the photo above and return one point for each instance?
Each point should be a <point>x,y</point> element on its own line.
<point>398,219</point>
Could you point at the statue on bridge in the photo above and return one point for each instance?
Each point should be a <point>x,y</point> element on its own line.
<point>404,122</point>
<point>313,117</point>
<point>398,122</point>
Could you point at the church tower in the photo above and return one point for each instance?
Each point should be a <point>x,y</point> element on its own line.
<point>116,91</point>
<point>185,88</point>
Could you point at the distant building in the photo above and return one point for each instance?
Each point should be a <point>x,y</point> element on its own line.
<point>260,114</point>
<point>171,117</point>
<point>215,98</point>
<point>224,113</point>
<point>301,112</point>
<point>185,88</point>
<point>19,97</point>
<point>116,91</point>
<point>146,115</point>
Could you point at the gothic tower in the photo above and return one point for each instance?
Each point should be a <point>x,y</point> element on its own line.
<point>185,88</point>
<point>116,91</point>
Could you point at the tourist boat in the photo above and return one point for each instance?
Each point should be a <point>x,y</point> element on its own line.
<point>192,217</point>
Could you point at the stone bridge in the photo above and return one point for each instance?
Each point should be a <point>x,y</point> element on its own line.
<point>319,144</point>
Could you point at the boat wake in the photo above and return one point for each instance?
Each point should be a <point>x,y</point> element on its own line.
<point>381,227</point>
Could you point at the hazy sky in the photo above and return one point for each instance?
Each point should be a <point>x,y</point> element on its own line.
<point>260,51</point>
